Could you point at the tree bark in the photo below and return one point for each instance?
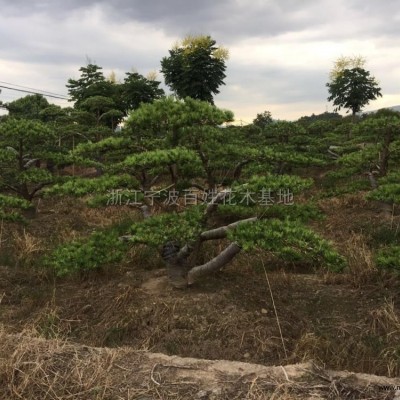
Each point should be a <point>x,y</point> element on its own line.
<point>238,169</point>
<point>215,264</point>
<point>220,233</point>
<point>372,180</point>
<point>384,163</point>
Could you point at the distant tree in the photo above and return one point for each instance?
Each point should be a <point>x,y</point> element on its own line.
<point>353,89</point>
<point>326,116</point>
<point>346,62</point>
<point>195,68</point>
<point>28,107</point>
<point>263,120</point>
<point>137,89</point>
<point>91,83</point>
<point>104,102</point>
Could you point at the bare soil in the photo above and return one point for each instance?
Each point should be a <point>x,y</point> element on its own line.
<point>333,321</point>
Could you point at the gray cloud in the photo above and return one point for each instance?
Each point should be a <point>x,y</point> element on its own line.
<point>51,39</point>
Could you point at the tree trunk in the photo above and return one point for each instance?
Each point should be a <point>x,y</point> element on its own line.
<point>384,163</point>
<point>176,263</point>
<point>372,180</point>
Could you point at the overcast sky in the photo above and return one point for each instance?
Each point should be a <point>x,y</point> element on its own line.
<point>281,51</point>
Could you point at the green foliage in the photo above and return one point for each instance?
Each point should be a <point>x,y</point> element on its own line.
<point>389,258</point>
<point>353,89</point>
<point>77,186</point>
<point>299,212</point>
<point>327,120</point>
<point>289,240</point>
<point>91,83</point>
<point>100,249</point>
<point>263,120</point>
<point>389,192</point>
<point>383,235</point>
<point>106,102</point>
<point>172,119</point>
<point>137,89</point>
<point>104,145</point>
<point>284,131</point>
<point>156,231</point>
<point>195,68</point>
<point>116,197</point>
<point>24,143</point>
<point>275,182</point>
<point>361,160</point>
<point>28,107</point>
<point>156,158</point>
<point>375,128</point>
<point>10,206</point>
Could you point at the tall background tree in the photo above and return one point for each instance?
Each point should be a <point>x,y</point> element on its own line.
<point>105,102</point>
<point>351,86</point>
<point>195,68</point>
<point>29,107</point>
<point>263,119</point>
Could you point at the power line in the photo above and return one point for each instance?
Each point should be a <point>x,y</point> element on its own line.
<point>29,88</point>
<point>34,92</point>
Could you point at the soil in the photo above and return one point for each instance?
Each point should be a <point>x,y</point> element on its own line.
<point>243,313</point>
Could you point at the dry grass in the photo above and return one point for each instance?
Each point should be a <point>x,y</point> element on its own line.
<point>27,247</point>
<point>34,369</point>
<point>361,267</point>
<point>228,316</point>
<point>371,344</point>
<point>53,370</point>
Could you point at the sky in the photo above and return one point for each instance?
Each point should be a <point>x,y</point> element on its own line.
<point>281,51</point>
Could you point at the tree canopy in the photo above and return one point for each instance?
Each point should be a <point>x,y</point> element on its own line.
<point>195,68</point>
<point>108,100</point>
<point>353,89</point>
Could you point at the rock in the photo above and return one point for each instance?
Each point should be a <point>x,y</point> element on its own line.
<point>202,395</point>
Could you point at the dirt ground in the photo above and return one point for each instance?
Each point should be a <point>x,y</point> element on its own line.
<point>32,368</point>
<point>287,316</point>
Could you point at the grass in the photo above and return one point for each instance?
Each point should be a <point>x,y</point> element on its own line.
<point>342,321</point>
<point>33,368</point>
<point>27,248</point>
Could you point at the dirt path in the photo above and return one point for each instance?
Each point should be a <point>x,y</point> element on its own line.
<point>33,368</point>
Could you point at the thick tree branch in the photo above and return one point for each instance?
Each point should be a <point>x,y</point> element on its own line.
<point>185,252</point>
<point>238,169</point>
<point>215,264</point>
<point>220,233</point>
<point>37,188</point>
<point>215,201</point>
<point>334,155</point>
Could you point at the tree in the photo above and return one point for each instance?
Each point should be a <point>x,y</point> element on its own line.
<point>195,68</point>
<point>263,120</point>
<point>179,146</point>
<point>91,83</point>
<point>106,101</point>
<point>23,144</point>
<point>28,107</point>
<point>346,62</point>
<point>353,89</point>
<point>137,89</point>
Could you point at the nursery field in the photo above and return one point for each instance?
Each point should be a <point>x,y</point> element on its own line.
<point>348,321</point>
<point>183,257</point>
